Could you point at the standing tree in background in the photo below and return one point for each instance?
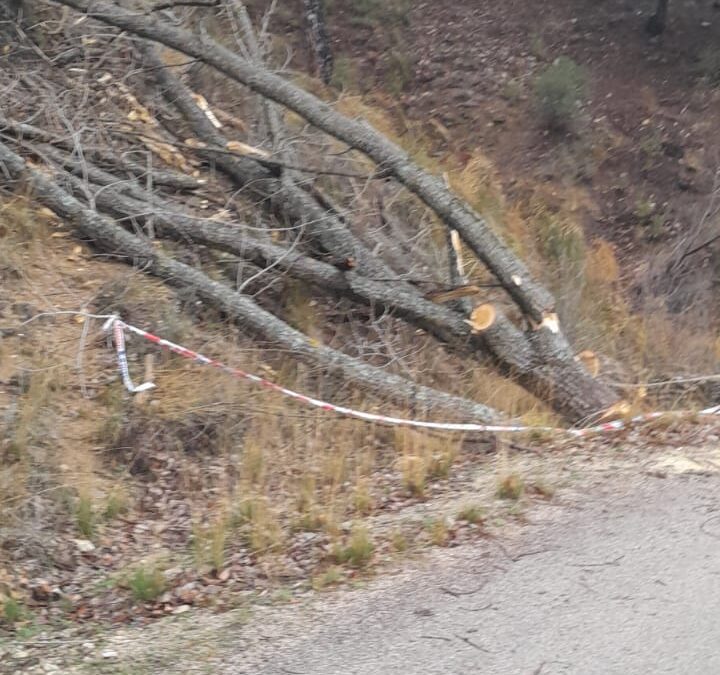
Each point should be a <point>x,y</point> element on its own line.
<point>657,22</point>
<point>318,37</point>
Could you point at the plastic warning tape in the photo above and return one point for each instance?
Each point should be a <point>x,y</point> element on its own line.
<point>119,327</point>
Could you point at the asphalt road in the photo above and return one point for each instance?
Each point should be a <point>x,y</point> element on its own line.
<point>627,582</point>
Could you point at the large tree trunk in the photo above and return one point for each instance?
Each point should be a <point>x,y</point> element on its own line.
<point>113,239</point>
<point>9,13</point>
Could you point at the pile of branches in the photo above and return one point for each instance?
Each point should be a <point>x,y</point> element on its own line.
<point>67,77</point>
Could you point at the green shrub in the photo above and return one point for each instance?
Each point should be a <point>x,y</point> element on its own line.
<point>709,65</point>
<point>12,611</point>
<point>358,551</point>
<point>560,91</point>
<point>146,584</point>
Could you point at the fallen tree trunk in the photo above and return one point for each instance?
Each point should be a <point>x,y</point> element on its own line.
<point>111,238</point>
<point>488,330</point>
<point>543,364</point>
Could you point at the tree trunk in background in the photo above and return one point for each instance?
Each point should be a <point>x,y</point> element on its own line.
<point>657,22</point>
<point>9,12</point>
<point>318,36</point>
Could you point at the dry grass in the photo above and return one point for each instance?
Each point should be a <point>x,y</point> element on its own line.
<point>209,542</point>
<point>357,550</point>
<point>510,486</point>
<point>438,531</point>
<point>422,458</point>
<point>332,576</point>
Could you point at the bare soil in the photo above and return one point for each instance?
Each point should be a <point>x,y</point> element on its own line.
<point>649,132</point>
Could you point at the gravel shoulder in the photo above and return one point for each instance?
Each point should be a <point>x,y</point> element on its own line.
<point>629,583</point>
<point>619,572</point>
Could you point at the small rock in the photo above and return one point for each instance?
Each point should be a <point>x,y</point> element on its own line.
<point>173,572</point>
<point>109,654</point>
<point>40,589</point>
<point>181,609</point>
<point>84,546</point>
<point>187,593</point>
<point>88,646</point>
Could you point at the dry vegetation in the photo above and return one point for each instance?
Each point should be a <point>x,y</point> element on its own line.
<point>209,492</point>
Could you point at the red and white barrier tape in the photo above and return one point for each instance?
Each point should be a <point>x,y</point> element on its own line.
<point>119,327</point>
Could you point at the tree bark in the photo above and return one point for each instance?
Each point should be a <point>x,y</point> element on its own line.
<point>9,11</point>
<point>657,22</point>
<point>318,38</point>
<point>111,238</point>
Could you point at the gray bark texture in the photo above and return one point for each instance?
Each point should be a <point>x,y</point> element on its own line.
<point>9,13</point>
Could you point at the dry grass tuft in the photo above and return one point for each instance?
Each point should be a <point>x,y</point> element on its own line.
<point>332,576</point>
<point>510,487</point>
<point>357,550</point>
<point>422,457</point>
<point>471,513</point>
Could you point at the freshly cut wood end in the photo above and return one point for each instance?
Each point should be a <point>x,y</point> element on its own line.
<point>231,120</point>
<point>590,360</point>
<point>440,297</point>
<point>620,410</point>
<point>245,149</point>
<point>456,243</point>
<point>482,317</point>
<point>203,105</point>
<point>195,143</point>
<point>551,322</point>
